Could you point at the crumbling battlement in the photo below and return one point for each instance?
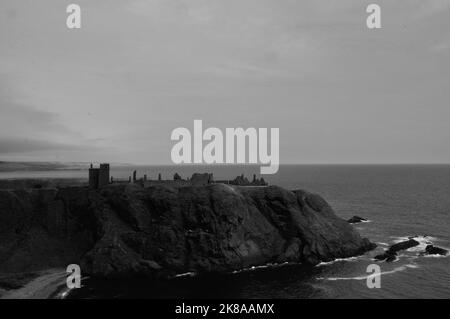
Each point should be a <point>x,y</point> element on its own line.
<point>99,177</point>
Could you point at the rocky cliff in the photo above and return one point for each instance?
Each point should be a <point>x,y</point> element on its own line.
<point>127,230</point>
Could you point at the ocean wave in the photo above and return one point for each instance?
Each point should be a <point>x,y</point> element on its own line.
<point>186,274</point>
<point>419,238</point>
<point>424,241</point>
<point>275,265</point>
<point>269,265</point>
<point>383,244</point>
<point>65,291</point>
<point>326,263</point>
<point>436,256</point>
<point>364,277</point>
<point>64,294</point>
<point>419,250</point>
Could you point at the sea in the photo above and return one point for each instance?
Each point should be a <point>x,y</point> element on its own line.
<point>399,201</point>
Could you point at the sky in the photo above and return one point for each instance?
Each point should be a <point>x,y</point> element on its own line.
<point>114,90</point>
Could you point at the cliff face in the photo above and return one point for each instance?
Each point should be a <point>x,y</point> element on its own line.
<point>162,231</point>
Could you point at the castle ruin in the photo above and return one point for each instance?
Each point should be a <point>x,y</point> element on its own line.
<point>99,177</point>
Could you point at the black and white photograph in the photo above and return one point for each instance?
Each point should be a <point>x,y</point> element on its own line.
<point>225,155</point>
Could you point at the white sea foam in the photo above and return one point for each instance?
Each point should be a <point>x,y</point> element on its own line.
<point>364,277</point>
<point>436,255</point>
<point>417,238</point>
<point>186,274</point>
<point>65,292</point>
<point>269,265</point>
<point>419,250</point>
<point>424,241</point>
<point>325,263</point>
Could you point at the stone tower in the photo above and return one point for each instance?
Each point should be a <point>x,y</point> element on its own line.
<point>93,177</point>
<point>99,177</point>
<point>103,178</point>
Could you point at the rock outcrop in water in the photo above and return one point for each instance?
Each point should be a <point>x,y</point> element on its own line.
<point>162,231</point>
<point>356,219</point>
<point>391,254</point>
<point>433,250</point>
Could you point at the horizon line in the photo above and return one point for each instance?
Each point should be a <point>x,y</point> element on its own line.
<point>225,164</point>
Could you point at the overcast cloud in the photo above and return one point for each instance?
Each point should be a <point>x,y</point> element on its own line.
<point>114,90</point>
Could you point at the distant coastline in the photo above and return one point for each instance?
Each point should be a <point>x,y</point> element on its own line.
<point>11,166</point>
